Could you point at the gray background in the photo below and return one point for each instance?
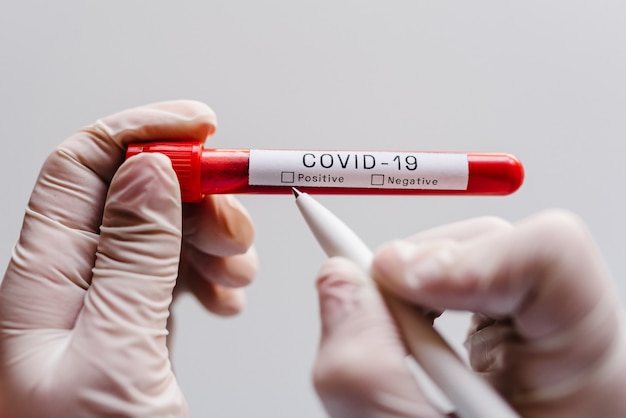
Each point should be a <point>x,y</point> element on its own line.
<point>544,80</point>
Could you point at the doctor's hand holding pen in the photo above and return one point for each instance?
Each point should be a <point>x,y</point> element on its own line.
<point>84,303</point>
<point>547,330</point>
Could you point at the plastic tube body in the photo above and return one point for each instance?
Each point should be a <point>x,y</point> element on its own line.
<point>226,171</point>
<point>215,171</point>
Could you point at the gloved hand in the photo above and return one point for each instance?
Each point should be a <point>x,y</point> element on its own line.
<point>85,299</point>
<point>547,332</point>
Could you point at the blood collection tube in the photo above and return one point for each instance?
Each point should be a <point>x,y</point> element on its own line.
<point>204,171</point>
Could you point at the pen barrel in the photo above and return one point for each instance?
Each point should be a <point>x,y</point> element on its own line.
<point>468,392</point>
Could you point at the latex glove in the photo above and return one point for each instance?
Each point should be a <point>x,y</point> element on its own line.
<point>85,299</point>
<point>548,331</point>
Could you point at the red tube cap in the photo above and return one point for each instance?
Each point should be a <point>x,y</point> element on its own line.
<point>185,157</point>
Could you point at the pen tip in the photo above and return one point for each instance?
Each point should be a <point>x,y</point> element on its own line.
<point>296,192</point>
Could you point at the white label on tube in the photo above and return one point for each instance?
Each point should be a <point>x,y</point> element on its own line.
<point>359,169</point>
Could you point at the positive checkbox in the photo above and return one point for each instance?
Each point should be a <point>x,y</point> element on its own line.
<point>287,177</point>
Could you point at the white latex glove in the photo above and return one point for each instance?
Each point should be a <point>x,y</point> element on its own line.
<point>548,331</point>
<point>85,299</point>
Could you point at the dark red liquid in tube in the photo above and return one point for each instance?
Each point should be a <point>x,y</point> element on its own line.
<point>215,171</point>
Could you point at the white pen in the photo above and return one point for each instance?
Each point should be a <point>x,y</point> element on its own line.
<point>469,393</point>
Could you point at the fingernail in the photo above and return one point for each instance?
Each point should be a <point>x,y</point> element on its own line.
<point>392,260</point>
<point>335,298</point>
<point>336,291</point>
<point>431,265</point>
<point>410,263</point>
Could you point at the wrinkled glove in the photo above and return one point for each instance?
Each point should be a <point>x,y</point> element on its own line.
<point>84,303</point>
<point>547,332</point>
